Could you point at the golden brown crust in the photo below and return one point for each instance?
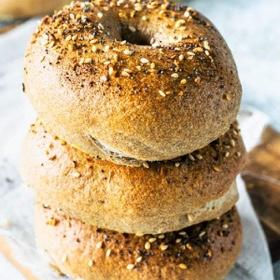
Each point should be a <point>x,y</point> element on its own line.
<point>125,101</point>
<point>25,8</point>
<point>166,196</point>
<point>206,251</point>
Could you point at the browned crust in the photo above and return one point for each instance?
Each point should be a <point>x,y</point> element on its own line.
<point>206,251</point>
<point>147,114</point>
<point>26,8</point>
<point>132,199</point>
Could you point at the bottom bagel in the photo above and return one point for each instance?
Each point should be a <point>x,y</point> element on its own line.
<point>204,251</point>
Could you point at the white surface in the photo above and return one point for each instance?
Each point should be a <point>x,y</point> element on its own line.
<point>16,114</point>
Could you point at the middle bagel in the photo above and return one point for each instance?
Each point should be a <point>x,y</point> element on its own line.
<point>164,196</point>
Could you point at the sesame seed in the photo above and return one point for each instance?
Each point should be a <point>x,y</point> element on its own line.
<point>144,60</point>
<point>197,49</point>
<point>232,142</point>
<point>178,240</point>
<point>188,245</point>
<point>179,23</point>
<point>202,234</point>
<point>138,7</point>
<point>132,28</point>
<point>139,259</point>
<point>183,81</point>
<point>162,93</point>
<point>130,266</point>
<point>152,239</point>
<point>94,49</point>
<point>187,14</point>
<point>100,15</point>
<point>99,245</point>
<point>181,57</point>
<point>182,266</point>
<point>183,233</point>
<point>216,168</point>
<point>163,247</point>
<point>128,52</point>
<point>161,236</point>
<point>144,18</point>
<point>175,75</point>
<point>190,218</point>
<point>225,226</point>
<point>108,253</point>
<point>152,65</point>
<point>177,164</point>
<point>227,154</point>
<point>206,45</point>
<point>111,71</point>
<point>191,157</point>
<point>146,165</point>
<point>103,78</point>
<point>90,263</point>
<point>88,60</point>
<point>124,73</point>
<point>147,246</point>
<point>199,156</point>
<point>75,174</point>
<point>189,53</point>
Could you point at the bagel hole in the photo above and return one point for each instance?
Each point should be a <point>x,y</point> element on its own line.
<point>135,36</point>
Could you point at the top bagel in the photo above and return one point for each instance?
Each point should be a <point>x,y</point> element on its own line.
<point>132,81</point>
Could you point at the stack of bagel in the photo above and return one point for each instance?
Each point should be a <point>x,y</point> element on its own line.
<point>135,151</point>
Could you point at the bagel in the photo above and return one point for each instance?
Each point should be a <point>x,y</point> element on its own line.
<point>206,251</point>
<point>132,82</point>
<point>11,9</point>
<point>167,196</point>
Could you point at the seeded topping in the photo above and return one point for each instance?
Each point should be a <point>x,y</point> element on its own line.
<point>84,32</point>
<point>181,248</point>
